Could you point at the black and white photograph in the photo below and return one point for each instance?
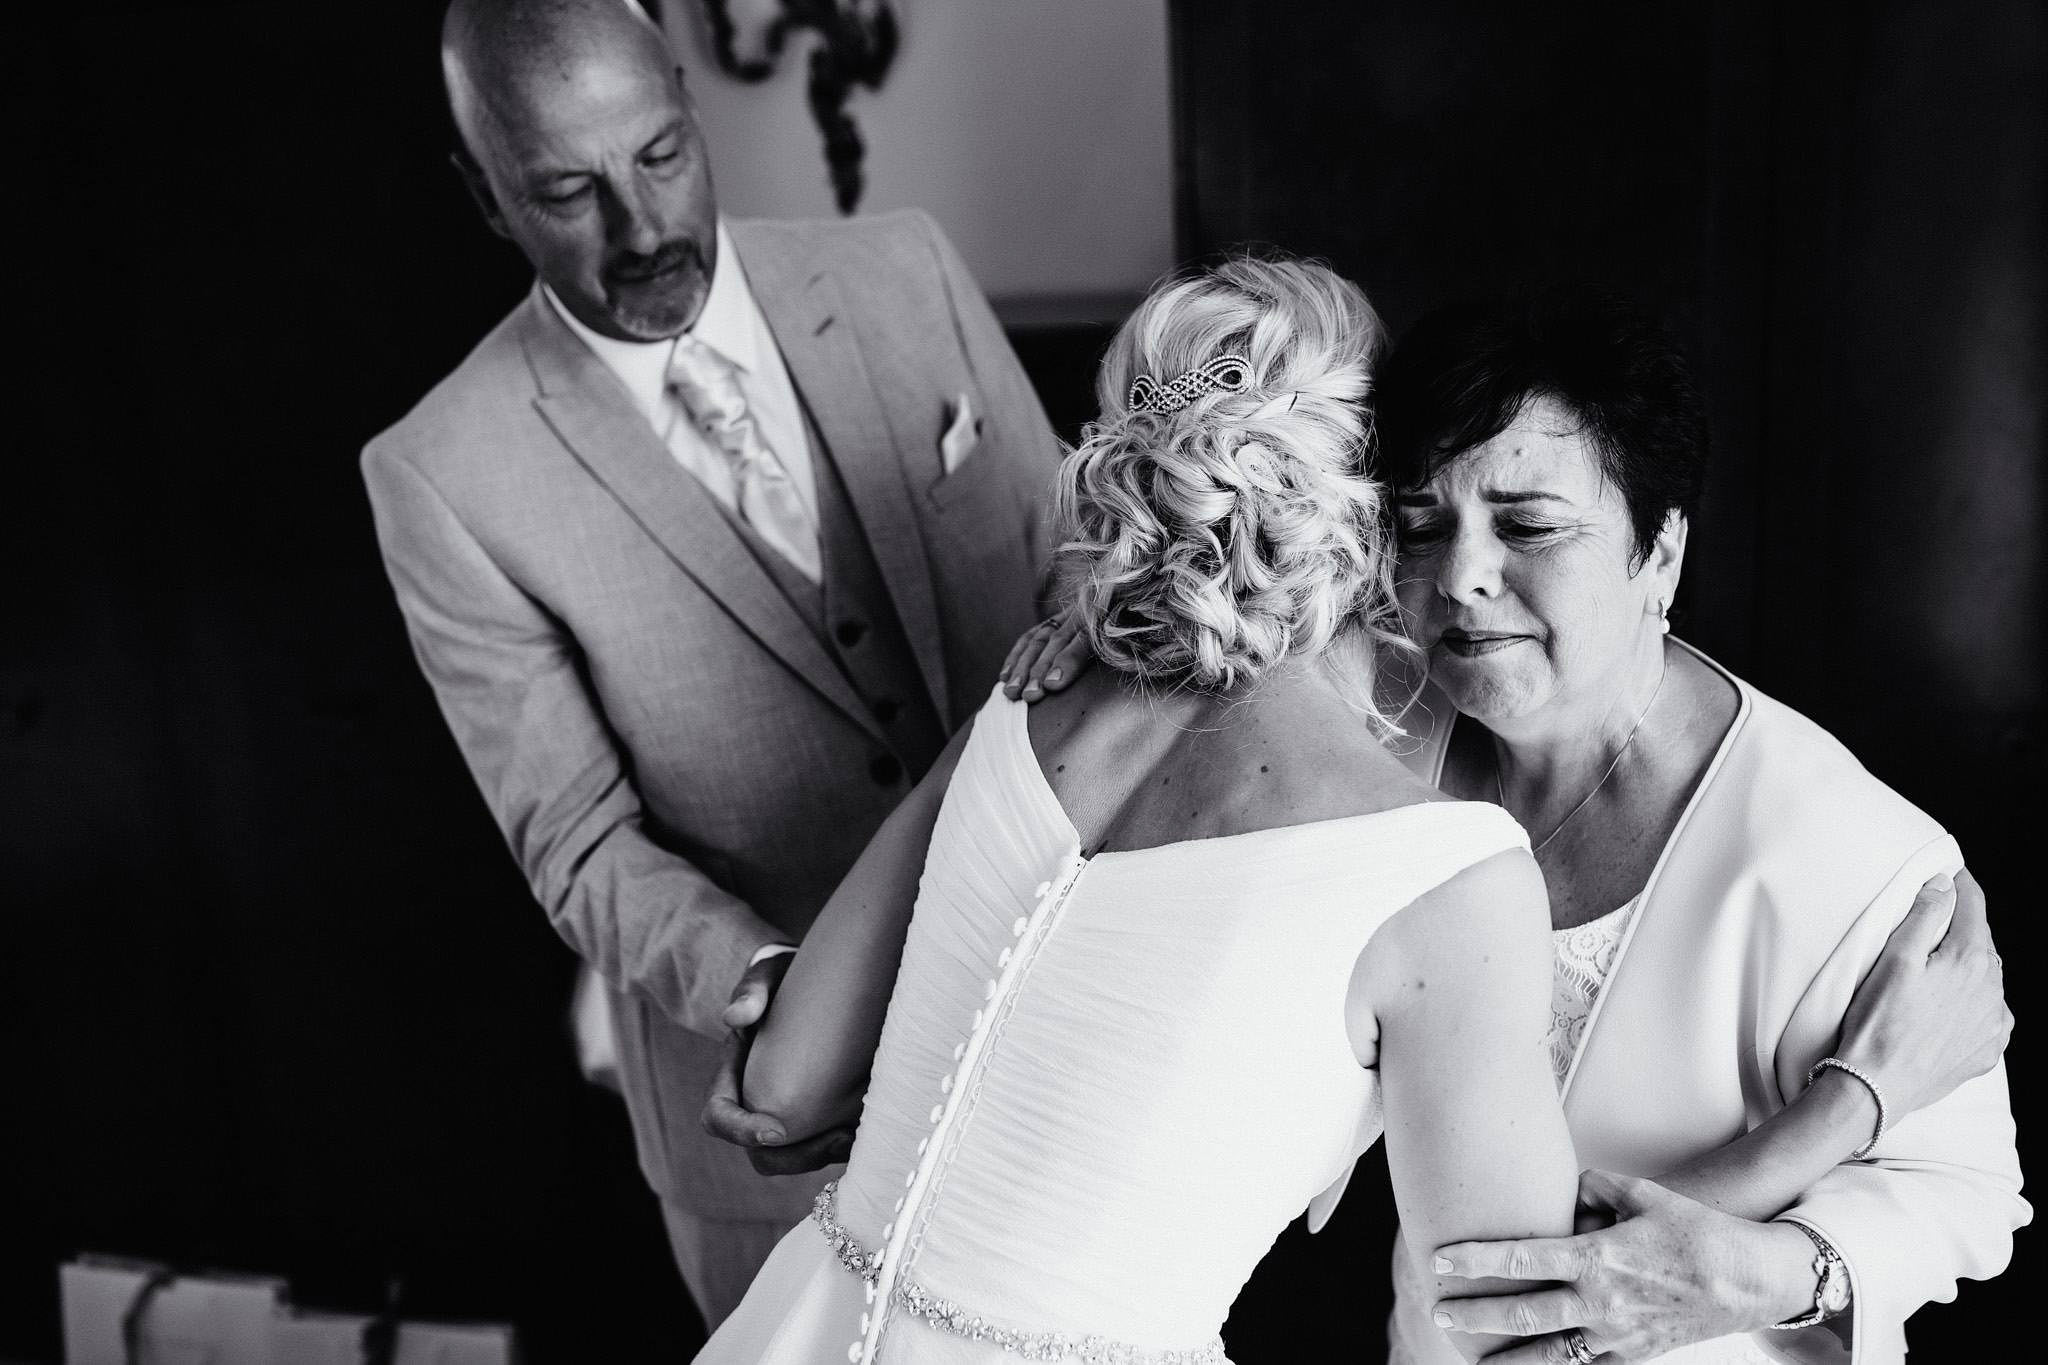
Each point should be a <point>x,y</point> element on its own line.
<point>941,682</point>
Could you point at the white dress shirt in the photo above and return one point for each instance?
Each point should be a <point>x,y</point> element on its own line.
<point>731,324</point>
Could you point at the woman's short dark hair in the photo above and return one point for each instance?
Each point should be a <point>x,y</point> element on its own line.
<point>1463,374</point>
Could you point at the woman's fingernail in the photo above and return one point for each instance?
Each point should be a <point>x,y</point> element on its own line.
<point>1031,692</point>
<point>1443,1319</point>
<point>1441,1265</point>
<point>771,1136</point>
<point>1053,676</point>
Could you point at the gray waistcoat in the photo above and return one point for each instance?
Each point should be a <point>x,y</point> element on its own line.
<point>851,613</point>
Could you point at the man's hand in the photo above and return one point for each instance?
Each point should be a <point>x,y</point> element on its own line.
<point>1046,658</point>
<point>1668,1273</point>
<point>725,1113</point>
<point>1932,1012</point>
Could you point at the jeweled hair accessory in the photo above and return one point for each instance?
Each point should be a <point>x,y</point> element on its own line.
<point>1230,373</point>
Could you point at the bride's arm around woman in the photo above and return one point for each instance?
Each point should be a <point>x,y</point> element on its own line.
<point>1459,987</point>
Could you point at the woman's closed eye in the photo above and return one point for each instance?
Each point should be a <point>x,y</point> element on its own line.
<point>1526,532</point>
<point>1422,533</point>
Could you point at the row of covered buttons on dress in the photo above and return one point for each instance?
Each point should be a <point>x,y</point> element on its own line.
<point>1043,895</point>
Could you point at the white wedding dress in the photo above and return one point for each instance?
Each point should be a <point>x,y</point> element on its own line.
<point>1105,1084</point>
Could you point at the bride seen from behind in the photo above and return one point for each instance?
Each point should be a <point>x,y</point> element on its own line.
<point>1169,951</point>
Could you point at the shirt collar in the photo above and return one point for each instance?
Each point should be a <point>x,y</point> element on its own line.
<point>726,325</point>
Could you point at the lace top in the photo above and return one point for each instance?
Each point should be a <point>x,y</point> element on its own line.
<point>1585,955</point>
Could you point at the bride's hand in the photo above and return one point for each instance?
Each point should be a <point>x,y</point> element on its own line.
<point>1046,658</point>
<point>1932,1012</point>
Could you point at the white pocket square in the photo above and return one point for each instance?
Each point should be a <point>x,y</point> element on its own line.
<point>963,435</point>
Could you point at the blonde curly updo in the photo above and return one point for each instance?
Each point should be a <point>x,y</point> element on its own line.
<point>1205,545</point>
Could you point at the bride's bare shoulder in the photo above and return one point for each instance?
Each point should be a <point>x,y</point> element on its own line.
<point>1173,765</point>
<point>1331,763</point>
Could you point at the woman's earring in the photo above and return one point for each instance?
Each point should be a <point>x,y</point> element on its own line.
<point>1664,617</point>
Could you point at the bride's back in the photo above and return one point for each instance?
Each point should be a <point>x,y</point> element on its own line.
<point>1109,1077</point>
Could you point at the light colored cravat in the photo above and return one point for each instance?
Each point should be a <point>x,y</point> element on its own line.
<point>708,387</point>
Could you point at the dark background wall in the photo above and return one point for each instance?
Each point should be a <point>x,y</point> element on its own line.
<point>272,996</point>
<point>1840,210</point>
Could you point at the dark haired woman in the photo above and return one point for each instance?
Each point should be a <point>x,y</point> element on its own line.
<point>1722,873</point>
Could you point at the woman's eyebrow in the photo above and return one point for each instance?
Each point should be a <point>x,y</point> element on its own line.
<point>1510,495</point>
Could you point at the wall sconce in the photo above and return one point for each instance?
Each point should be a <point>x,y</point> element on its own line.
<point>856,43</point>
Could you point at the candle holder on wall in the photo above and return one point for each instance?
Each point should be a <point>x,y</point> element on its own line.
<point>857,41</point>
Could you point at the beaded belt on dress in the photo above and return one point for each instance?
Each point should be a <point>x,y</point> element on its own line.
<point>948,1316</point>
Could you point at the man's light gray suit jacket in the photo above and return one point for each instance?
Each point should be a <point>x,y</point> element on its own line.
<point>678,763</point>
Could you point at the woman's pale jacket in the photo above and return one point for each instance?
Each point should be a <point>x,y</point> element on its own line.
<point>1787,872</point>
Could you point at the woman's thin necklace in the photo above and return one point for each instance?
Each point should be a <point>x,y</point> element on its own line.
<point>1586,800</point>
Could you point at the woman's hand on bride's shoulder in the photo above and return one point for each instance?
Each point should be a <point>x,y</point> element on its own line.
<point>1046,658</point>
<point>1931,1014</point>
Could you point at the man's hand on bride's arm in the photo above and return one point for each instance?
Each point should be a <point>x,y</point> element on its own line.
<point>726,1115</point>
<point>1046,658</point>
<point>1669,1272</point>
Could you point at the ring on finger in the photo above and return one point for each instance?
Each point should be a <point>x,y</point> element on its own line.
<point>1581,1353</point>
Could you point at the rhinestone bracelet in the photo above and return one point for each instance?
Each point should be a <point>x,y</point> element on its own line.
<point>1870,1085</point>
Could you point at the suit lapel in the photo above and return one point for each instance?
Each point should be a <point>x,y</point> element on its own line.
<point>592,414</point>
<point>812,328</point>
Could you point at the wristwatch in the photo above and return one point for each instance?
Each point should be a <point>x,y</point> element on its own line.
<point>1830,1286</point>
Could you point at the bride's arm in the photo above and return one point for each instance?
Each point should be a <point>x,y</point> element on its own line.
<point>809,1062</point>
<point>1458,985</point>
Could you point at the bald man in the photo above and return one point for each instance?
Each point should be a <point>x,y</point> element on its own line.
<point>705,549</point>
